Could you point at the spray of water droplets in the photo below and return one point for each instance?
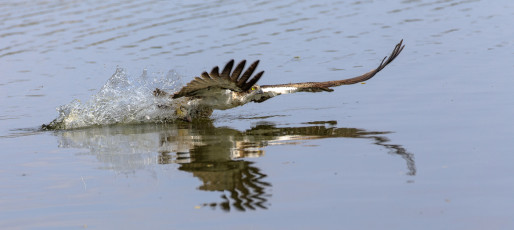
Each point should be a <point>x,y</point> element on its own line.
<point>122,100</point>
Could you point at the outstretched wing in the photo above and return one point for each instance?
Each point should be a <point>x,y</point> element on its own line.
<point>270,91</point>
<point>227,79</point>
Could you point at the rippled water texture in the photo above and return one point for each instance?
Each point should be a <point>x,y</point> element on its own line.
<point>426,144</point>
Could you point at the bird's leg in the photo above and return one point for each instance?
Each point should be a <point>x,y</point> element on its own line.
<point>188,118</point>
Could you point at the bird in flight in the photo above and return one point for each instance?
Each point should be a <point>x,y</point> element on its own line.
<point>232,87</point>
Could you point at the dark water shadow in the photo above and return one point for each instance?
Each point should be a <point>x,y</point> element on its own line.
<point>218,156</point>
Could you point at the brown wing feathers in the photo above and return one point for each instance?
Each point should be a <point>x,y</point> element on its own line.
<point>225,74</point>
<point>233,80</point>
<point>226,80</point>
<point>324,86</point>
<point>397,49</point>
<point>237,71</point>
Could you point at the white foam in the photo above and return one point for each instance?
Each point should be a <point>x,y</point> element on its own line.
<point>122,100</point>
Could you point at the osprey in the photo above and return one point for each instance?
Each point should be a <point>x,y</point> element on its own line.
<point>230,88</point>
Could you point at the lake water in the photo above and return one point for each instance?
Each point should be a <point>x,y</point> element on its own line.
<point>426,144</point>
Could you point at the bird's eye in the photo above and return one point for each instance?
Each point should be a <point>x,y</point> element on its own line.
<point>253,88</point>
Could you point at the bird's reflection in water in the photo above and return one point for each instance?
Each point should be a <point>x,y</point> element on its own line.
<point>219,157</point>
<point>243,183</point>
<point>218,161</point>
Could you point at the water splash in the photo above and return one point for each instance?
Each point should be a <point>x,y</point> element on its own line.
<point>122,100</point>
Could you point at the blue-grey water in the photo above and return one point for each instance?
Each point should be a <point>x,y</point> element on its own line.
<point>426,144</point>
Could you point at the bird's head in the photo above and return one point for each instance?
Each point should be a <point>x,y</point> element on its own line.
<point>254,93</point>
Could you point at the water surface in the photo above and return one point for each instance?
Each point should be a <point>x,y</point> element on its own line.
<point>426,144</point>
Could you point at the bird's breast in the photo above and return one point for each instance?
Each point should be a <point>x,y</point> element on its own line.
<point>222,100</point>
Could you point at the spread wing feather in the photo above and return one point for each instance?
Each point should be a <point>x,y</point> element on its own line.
<point>274,90</point>
<point>226,80</point>
<point>233,80</point>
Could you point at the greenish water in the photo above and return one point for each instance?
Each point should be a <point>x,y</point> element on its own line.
<point>426,144</point>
